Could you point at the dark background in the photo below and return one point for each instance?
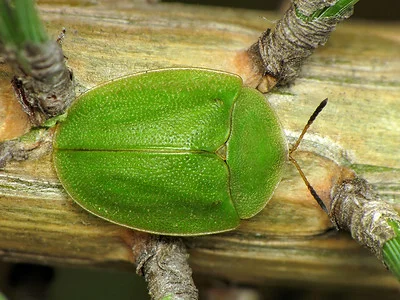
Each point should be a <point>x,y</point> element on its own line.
<point>69,283</point>
<point>384,10</point>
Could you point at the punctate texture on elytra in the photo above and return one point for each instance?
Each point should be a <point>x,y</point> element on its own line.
<point>174,151</point>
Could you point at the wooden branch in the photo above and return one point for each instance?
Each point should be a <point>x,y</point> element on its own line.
<point>291,241</point>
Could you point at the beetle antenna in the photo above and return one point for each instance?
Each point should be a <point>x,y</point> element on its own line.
<point>296,145</point>
<point>310,121</point>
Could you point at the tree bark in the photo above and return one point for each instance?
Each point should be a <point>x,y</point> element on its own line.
<point>292,241</point>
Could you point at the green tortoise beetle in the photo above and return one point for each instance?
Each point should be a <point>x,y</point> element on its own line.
<point>173,151</point>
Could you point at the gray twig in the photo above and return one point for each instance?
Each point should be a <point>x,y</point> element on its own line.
<point>356,207</point>
<point>278,55</point>
<point>47,89</point>
<point>33,145</point>
<point>164,265</point>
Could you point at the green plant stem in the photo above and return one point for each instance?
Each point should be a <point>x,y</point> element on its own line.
<point>30,29</point>
<point>42,82</point>
<point>335,11</point>
<point>338,9</point>
<point>391,250</point>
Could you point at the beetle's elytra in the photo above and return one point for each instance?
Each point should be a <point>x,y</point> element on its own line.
<point>174,151</point>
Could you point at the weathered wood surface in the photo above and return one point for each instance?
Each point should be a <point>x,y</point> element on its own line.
<point>291,241</point>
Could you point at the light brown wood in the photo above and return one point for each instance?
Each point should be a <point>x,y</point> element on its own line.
<point>291,241</point>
